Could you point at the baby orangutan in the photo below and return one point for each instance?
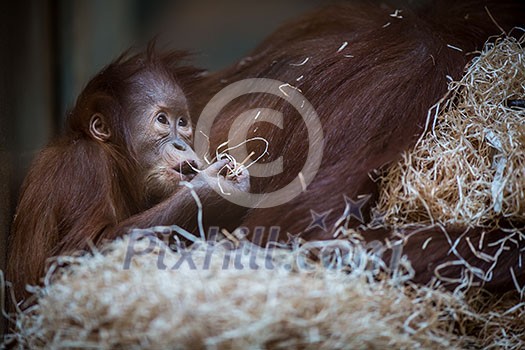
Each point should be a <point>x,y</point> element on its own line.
<point>118,165</point>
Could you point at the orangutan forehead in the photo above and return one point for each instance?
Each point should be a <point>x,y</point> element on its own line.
<point>158,88</point>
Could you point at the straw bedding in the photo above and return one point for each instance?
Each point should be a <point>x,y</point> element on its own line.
<point>356,303</point>
<point>468,169</point>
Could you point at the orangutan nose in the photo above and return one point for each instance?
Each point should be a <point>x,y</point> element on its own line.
<point>179,144</point>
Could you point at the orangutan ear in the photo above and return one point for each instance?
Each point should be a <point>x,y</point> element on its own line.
<point>99,128</point>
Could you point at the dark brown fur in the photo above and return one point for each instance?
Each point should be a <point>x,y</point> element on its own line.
<point>372,106</point>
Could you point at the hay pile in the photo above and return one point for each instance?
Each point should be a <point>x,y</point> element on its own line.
<point>469,168</point>
<point>354,303</point>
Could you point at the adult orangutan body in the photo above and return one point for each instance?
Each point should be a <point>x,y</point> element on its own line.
<point>118,165</point>
<point>371,72</point>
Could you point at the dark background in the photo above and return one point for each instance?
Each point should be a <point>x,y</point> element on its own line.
<point>50,49</point>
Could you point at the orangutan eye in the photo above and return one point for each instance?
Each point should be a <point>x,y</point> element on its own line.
<point>162,118</point>
<point>183,121</point>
